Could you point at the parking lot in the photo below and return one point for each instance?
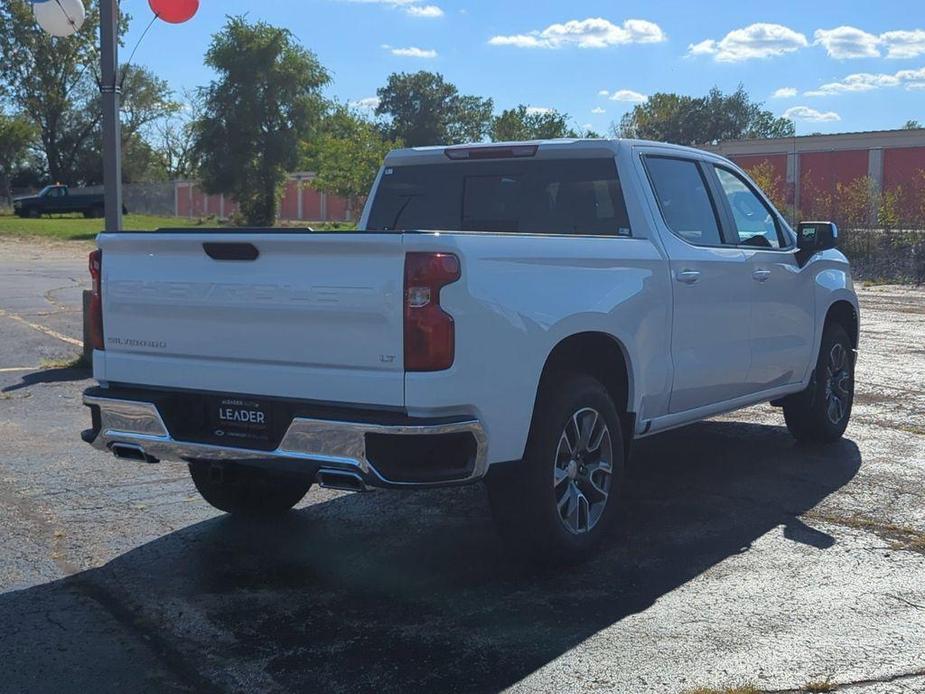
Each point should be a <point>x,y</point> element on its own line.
<point>742,557</point>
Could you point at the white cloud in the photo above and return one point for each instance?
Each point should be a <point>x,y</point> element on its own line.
<point>705,47</point>
<point>628,95</point>
<point>810,114</point>
<point>867,81</point>
<point>858,82</point>
<point>368,103</point>
<point>848,42</point>
<point>784,93</point>
<point>904,44</point>
<point>759,40</point>
<point>594,32</point>
<point>598,110</point>
<point>915,86</point>
<point>536,110</point>
<point>413,8</point>
<point>911,75</point>
<point>412,52</point>
<point>603,92</point>
<point>429,11</point>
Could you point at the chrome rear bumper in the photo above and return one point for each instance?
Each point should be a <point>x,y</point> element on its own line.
<point>319,445</point>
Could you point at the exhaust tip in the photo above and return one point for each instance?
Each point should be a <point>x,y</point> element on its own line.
<point>130,451</point>
<point>340,480</point>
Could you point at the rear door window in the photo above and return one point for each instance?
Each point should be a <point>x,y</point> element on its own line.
<point>551,196</point>
<point>684,200</point>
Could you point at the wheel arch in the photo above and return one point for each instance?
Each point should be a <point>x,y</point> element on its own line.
<point>603,357</point>
<point>845,314</point>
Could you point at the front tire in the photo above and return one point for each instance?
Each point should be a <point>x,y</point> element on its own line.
<point>820,414</point>
<point>246,491</point>
<point>556,505</point>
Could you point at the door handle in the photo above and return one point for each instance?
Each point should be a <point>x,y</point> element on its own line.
<point>688,276</point>
<point>761,275</point>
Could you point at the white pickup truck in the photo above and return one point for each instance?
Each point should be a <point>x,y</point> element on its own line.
<point>515,313</point>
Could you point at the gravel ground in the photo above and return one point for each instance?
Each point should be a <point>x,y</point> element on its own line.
<point>742,557</point>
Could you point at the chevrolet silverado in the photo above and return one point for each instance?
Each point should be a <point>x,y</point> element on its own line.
<point>514,313</point>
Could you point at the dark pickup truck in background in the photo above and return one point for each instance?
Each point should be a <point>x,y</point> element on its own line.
<point>58,200</point>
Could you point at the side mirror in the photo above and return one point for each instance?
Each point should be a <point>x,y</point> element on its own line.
<point>813,237</point>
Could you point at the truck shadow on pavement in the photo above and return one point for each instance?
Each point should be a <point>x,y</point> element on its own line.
<point>53,375</point>
<point>414,591</point>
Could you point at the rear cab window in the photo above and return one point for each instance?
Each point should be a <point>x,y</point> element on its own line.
<point>538,196</point>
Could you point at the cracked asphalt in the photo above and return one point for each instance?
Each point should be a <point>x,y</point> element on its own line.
<point>742,558</point>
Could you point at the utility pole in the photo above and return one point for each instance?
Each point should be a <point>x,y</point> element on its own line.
<point>110,91</point>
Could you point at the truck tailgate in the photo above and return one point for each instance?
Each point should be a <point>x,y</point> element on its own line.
<point>316,316</point>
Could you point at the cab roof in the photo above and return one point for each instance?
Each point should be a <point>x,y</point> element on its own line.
<point>537,149</point>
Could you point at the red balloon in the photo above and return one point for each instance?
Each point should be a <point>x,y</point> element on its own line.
<point>174,11</point>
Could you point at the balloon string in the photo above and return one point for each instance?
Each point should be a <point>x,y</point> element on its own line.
<point>70,20</point>
<point>128,63</point>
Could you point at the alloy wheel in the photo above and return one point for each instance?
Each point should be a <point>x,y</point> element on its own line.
<point>583,470</point>
<point>838,383</point>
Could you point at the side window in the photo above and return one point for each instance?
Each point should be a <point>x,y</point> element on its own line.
<point>756,224</point>
<point>683,199</point>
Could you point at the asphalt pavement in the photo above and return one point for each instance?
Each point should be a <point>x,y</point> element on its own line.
<point>742,557</point>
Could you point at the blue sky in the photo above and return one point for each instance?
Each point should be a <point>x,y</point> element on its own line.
<point>834,66</point>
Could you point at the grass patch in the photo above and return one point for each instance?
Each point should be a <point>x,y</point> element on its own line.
<point>910,428</point>
<point>78,361</point>
<point>815,687</point>
<point>76,228</point>
<point>899,537</point>
<point>877,282</point>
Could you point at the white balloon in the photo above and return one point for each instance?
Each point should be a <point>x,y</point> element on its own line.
<point>59,17</point>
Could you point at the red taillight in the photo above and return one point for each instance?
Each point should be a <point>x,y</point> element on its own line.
<point>430,336</point>
<point>95,311</point>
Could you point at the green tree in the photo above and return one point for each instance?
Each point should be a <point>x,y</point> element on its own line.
<point>146,101</point>
<point>173,138</point>
<point>425,109</point>
<point>716,117</point>
<point>52,82</point>
<point>347,155</point>
<point>522,123</point>
<point>265,101</point>
<point>912,125</point>
<point>16,136</point>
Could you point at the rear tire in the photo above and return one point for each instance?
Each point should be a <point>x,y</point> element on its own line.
<point>820,414</point>
<point>33,213</point>
<point>246,491</point>
<point>556,505</point>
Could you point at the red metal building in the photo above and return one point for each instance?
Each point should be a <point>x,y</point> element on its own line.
<point>815,169</point>
<point>300,202</point>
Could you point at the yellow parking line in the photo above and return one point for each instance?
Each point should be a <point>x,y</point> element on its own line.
<point>42,329</point>
<point>19,368</point>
